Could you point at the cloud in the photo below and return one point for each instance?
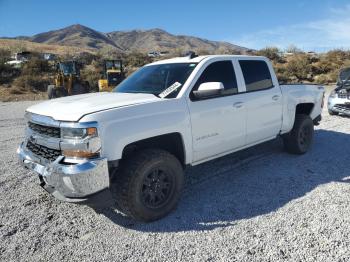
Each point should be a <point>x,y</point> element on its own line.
<point>320,35</point>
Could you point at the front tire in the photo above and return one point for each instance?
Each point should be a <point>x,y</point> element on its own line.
<point>299,139</point>
<point>148,185</point>
<point>78,89</point>
<point>60,92</point>
<point>51,92</point>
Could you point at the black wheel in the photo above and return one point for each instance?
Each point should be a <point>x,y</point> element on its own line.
<point>149,185</point>
<point>60,92</point>
<point>87,87</point>
<point>332,113</point>
<point>299,139</point>
<point>51,92</point>
<point>78,89</point>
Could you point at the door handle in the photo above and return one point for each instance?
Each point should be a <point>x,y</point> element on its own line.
<point>238,104</point>
<point>275,97</point>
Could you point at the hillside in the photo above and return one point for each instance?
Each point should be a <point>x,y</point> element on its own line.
<point>75,35</point>
<point>157,39</point>
<point>16,45</point>
<point>135,40</point>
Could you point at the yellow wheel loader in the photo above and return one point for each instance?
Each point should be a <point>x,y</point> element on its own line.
<point>67,81</point>
<point>113,75</point>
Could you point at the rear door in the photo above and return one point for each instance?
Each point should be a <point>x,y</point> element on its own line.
<point>263,100</point>
<point>218,123</point>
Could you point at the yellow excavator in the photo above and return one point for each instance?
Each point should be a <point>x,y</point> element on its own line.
<point>67,81</point>
<point>113,75</point>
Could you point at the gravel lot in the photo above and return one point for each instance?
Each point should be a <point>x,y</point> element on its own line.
<point>261,204</point>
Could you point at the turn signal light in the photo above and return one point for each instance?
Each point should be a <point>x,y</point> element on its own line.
<point>91,131</point>
<point>79,154</point>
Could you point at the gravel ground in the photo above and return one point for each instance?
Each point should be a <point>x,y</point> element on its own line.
<point>260,204</point>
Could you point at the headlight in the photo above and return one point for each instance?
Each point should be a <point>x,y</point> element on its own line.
<point>78,133</point>
<point>333,94</point>
<point>80,142</point>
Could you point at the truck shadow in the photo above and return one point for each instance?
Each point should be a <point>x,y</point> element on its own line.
<point>250,183</point>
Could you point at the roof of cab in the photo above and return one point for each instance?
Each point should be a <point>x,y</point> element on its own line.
<point>198,59</point>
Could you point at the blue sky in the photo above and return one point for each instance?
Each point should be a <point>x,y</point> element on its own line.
<point>311,25</point>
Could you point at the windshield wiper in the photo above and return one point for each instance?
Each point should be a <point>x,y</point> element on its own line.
<point>130,92</point>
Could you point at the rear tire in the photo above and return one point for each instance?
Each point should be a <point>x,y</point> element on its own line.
<point>299,139</point>
<point>149,185</point>
<point>332,113</point>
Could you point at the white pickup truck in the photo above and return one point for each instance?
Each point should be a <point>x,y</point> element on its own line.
<point>138,139</point>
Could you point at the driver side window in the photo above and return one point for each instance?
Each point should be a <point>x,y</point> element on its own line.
<point>221,71</point>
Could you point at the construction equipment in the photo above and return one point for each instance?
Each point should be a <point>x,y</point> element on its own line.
<point>67,81</point>
<point>113,75</point>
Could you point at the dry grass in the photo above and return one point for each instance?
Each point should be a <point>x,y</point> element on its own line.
<point>15,45</point>
<point>13,93</point>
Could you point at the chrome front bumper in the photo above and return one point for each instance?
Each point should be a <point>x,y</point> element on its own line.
<point>338,105</point>
<point>73,182</point>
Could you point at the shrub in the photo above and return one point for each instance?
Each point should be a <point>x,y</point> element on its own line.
<point>7,72</point>
<point>108,52</point>
<point>322,67</point>
<point>16,91</point>
<point>32,82</point>
<point>323,79</point>
<point>136,59</point>
<point>299,68</point>
<point>272,53</point>
<point>92,73</point>
<point>35,66</point>
<point>86,58</point>
<point>280,71</point>
<point>4,56</point>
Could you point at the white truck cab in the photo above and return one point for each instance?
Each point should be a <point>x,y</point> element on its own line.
<point>183,111</point>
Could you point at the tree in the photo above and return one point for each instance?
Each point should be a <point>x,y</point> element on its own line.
<point>293,49</point>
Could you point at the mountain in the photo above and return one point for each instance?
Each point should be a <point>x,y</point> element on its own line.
<point>75,35</point>
<point>135,40</point>
<point>160,40</point>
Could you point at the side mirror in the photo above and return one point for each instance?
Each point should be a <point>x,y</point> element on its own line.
<point>208,89</point>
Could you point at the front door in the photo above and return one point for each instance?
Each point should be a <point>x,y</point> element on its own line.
<point>218,123</point>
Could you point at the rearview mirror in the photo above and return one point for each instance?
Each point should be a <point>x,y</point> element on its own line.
<point>208,89</point>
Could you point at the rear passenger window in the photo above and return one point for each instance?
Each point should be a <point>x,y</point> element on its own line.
<point>221,71</point>
<point>256,75</point>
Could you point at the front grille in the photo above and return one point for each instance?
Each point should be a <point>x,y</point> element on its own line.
<point>342,107</point>
<point>45,130</point>
<point>44,152</point>
<point>342,95</point>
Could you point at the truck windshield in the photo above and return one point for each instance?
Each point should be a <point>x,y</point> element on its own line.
<point>68,68</point>
<point>165,80</point>
<point>113,64</point>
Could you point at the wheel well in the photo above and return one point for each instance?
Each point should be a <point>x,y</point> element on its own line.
<point>169,142</point>
<point>304,108</point>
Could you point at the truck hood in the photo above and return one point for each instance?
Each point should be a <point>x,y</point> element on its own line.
<point>72,108</point>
